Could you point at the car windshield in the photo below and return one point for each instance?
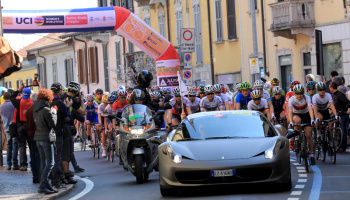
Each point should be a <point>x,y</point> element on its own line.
<point>224,125</point>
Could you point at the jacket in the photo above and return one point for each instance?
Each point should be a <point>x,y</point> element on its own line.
<point>30,122</point>
<point>44,120</point>
<point>62,115</point>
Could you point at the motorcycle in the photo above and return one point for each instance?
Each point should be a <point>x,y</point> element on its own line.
<point>134,146</point>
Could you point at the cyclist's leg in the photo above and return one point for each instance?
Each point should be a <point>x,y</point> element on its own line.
<point>296,121</point>
<point>88,131</point>
<point>283,116</point>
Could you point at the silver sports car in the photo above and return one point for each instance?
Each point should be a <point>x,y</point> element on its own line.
<point>224,147</point>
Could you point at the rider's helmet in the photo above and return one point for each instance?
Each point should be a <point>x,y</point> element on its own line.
<point>201,89</point>
<point>55,87</point>
<point>144,78</point>
<point>111,99</point>
<point>255,94</point>
<point>176,91</point>
<point>237,86</point>
<point>65,90</point>
<point>209,89</point>
<point>130,89</point>
<point>121,87</point>
<point>310,84</point>
<point>163,90</point>
<point>137,94</point>
<point>73,87</point>
<point>98,90</point>
<point>294,83</point>
<point>298,89</point>
<point>244,86</point>
<point>275,81</point>
<point>192,92</point>
<point>89,96</point>
<point>217,88</point>
<point>155,94</point>
<point>104,99</point>
<point>258,84</point>
<point>321,85</point>
<point>277,90</point>
<point>115,93</point>
<point>267,86</point>
<point>122,93</point>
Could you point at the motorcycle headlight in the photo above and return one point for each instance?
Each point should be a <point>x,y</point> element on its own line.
<point>271,152</point>
<point>137,131</point>
<point>176,158</point>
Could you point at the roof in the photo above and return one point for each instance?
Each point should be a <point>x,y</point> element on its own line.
<point>48,40</point>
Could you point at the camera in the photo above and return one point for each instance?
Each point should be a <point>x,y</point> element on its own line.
<point>35,82</point>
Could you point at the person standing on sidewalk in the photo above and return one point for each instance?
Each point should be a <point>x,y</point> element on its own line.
<point>21,106</point>
<point>45,120</point>
<point>7,111</point>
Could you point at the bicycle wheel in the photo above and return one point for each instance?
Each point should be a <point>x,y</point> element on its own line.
<point>337,137</point>
<point>112,153</point>
<point>297,150</point>
<point>305,153</point>
<point>107,152</point>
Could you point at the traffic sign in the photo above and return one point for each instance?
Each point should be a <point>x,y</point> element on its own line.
<point>254,66</point>
<point>187,40</point>
<point>188,60</point>
<point>187,76</point>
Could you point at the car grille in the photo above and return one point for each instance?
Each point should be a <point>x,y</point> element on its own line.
<point>242,175</point>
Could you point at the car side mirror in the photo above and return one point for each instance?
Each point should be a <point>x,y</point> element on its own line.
<point>156,140</point>
<point>292,133</point>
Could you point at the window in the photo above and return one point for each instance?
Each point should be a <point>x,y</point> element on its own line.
<point>218,20</point>
<point>231,19</point>
<point>332,59</point>
<point>81,66</point>
<point>128,4</point>
<point>54,71</point>
<point>42,74</point>
<point>115,3</point>
<point>161,21</point>
<point>179,25</point>
<point>198,34</point>
<point>130,47</point>
<point>118,61</point>
<point>307,59</point>
<point>68,64</point>
<point>105,65</point>
<point>93,65</point>
<point>102,3</point>
<point>8,84</point>
<point>19,82</point>
<point>148,21</point>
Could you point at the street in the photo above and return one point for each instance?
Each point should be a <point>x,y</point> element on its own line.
<point>111,181</point>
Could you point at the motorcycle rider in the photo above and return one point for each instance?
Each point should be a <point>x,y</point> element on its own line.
<point>143,79</point>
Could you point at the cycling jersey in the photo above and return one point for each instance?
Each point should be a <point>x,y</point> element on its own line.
<point>101,110</point>
<point>322,103</point>
<point>288,96</point>
<point>225,98</point>
<point>277,105</point>
<point>214,105</point>
<point>91,114</point>
<point>307,93</point>
<point>300,106</point>
<point>118,107</point>
<point>177,108</point>
<point>98,101</point>
<point>243,101</point>
<point>109,111</point>
<point>266,95</point>
<point>195,105</point>
<point>262,107</point>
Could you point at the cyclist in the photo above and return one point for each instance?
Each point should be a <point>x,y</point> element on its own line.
<point>300,110</point>
<point>115,93</point>
<point>109,124</point>
<point>321,102</point>
<point>98,93</point>
<point>175,115</point>
<point>278,106</point>
<point>259,85</point>
<point>259,104</point>
<point>91,115</point>
<point>289,95</point>
<point>275,82</point>
<point>267,87</point>
<point>201,92</point>
<point>243,98</point>
<point>120,104</point>
<point>102,115</point>
<point>194,100</point>
<point>311,89</point>
<point>211,102</point>
<point>224,97</point>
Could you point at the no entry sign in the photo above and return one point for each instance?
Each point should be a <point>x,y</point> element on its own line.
<point>187,40</point>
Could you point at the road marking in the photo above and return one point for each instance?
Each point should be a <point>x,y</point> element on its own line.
<point>88,187</point>
<point>299,186</point>
<point>292,160</point>
<point>303,175</point>
<point>296,193</point>
<point>296,164</point>
<point>336,176</point>
<point>300,168</point>
<point>302,171</point>
<point>335,192</point>
<point>302,180</point>
<point>293,198</point>
<point>316,184</point>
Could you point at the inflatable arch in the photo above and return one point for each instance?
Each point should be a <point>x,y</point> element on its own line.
<point>114,18</point>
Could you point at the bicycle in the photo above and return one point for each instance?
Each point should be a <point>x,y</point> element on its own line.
<point>325,144</point>
<point>110,144</point>
<point>337,132</point>
<point>301,147</point>
<point>282,121</point>
<point>96,141</point>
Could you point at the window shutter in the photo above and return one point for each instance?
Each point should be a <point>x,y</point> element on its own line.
<point>231,19</point>
<point>198,34</point>
<point>81,66</point>
<point>93,66</point>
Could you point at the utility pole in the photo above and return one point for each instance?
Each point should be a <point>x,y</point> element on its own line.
<point>255,39</point>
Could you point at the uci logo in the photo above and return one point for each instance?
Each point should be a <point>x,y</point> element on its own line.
<point>24,20</point>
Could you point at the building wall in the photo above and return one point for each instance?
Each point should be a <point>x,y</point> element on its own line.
<point>28,70</point>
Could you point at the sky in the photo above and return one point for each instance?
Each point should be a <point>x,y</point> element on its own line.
<point>18,41</point>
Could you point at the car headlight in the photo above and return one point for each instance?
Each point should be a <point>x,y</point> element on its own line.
<point>137,131</point>
<point>271,152</point>
<point>176,158</point>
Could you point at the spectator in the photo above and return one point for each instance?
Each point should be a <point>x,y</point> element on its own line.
<point>21,106</point>
<point>342,105</point>
<point>7,111</point>
<point>75,116</point>
<point>333,74</point>
<point>34,153</point>
<point>45,120</point>
<point>310,77</point>
<point>339,80</point>
<point>2,100</point>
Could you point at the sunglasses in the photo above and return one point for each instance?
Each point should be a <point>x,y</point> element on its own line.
<point>210,94</point>
<point>192,96</point>
<point>311,89</point>
<point>99,93</point>
<point>257,99</point>
<point>90,100</point>
<point>177,95</point>
<point>299,93</point>
<point>322,90</point>
<point>123,97</point>
<point>138,99</point>
<point>278,94</point>
<point>274,84</point>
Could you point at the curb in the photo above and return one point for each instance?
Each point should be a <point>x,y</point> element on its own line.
<point>60,193</point>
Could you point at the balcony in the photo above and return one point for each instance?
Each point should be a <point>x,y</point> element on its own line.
<point>293,17</point>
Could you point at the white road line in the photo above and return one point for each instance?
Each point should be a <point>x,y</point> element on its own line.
<point>293,198</point>
<point>336,192</point>
<point>296,193</point>
<point>336,176</point>
<point>292,160</point>
<point>303,175</point>
<point>302,180</point>
<point>296,164</point>
<point>300,167</point>
<point>299,186</point>
<point>88,187</point>
<point>316,184</point>
<point>302,171</point>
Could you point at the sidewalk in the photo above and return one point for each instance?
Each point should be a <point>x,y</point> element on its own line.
<point>19,185</point>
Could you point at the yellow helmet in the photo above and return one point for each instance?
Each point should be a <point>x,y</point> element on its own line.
<point>255,94</point>
<point>104,99</point>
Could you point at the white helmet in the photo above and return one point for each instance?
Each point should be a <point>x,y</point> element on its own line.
<point>155,94</point>
<point>176,91</point>
<point>209,89</point>
<point>217,88</point>
<point>277,90</point>
<point>267,86</point>
<point>258,84</point>
<point>237,86</point>
<point>192,92</point>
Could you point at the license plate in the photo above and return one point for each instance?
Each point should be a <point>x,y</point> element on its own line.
<point>222,173</point>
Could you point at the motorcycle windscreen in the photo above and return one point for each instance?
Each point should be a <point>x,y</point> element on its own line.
<point>137,115</point>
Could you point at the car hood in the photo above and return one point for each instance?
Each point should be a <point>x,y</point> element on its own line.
<point>218,149</point>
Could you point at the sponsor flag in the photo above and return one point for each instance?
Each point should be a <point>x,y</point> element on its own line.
<point>183,87</point>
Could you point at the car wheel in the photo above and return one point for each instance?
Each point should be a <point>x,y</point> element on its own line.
<point>168,192</point>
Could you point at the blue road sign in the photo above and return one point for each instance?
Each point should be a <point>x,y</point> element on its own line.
<point>187,74</point>
<point>188,57</point>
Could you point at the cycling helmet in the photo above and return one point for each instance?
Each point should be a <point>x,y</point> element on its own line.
<point>56,87</point>
<point>176,91</point>
<point>73,86</point>
<point>104,99</point>
<point>209,89</point>
<point>111,99</point>
<point>155,94</point>
<point>294,83</point>
<point>217,88</point>
<point>201,89</point>
<point>255,94</point>
<point>130,88</point>
<point>267,86</point>
<point>298,88</point>
<point>144,78</point>
<point>321,85</point>
<point>244,86</point>
<point>277,90</point>
<point>122,93</point>
<point>65,90</point>
<point>163,90</point>
<point>310,84</point>
<point>121,87</point>
<point>193,88</point>
<point>89,96</point>
<point>237,86</point>
<point>137,93</point>
<point>115,93</point>
<point>155,88</point>
<point>98,90</point>
<point>275,81</point>
<point>258,84</point>
<point>192,92</point>
<point>263,80</point>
